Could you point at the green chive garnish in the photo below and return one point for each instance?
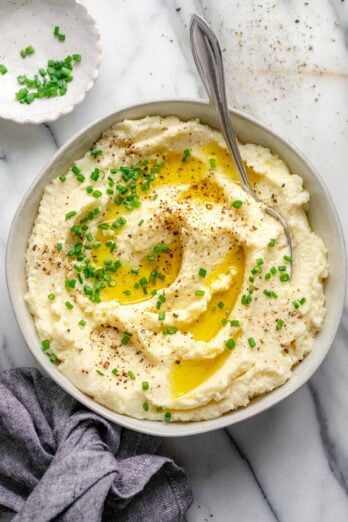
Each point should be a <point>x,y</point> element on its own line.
<point>145,385</point>
<point>271,243</point>
<point>237,203</point>
<point>202,272</point>
<point>131,375</point>
<point>70,214</point>
<point>161,316</point>
<point>199,293</point>
<point>279,324</point>
<point>3,69</point>
<point>170,331</point>
<point>234,323</point>
<point>230,344</point>
<point>51,297</point>
<point>284,277</point>
<point>82,322</point>
<point>251,342</point>
<point>100,373</point>
<point>45,344</point>
<point>114,371</point>
<point>96,152</point>
<point>186,155</point>
<point>145,406</point>
<point>212,163</point>
<point>53,358</point>
<point>167,416</point>
<point>59,246</point>
<point>69,305</point>
<point>287,258</point>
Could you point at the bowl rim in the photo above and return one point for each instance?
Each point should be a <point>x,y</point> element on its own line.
<point>160,428</point>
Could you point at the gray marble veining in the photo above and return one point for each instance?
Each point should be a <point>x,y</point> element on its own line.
<point>286,64</point>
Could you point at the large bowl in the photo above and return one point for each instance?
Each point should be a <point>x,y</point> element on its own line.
<point>322,216</point>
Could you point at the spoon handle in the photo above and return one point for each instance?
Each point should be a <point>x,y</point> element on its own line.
<point>208,59</point>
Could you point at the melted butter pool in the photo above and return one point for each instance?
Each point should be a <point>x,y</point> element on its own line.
<point>198,175</point>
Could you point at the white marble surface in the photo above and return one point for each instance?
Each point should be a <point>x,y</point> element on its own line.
<point>286,64</point>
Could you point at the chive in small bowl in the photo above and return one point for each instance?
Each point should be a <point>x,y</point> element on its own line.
<point>49,58</point>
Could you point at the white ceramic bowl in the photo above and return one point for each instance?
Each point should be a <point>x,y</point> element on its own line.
<point>322,216</point>
<point>31,22</point>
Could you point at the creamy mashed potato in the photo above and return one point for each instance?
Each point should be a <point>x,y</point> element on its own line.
<point>159,287</point>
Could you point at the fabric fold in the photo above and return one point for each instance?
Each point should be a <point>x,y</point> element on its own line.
<point>59,461</point>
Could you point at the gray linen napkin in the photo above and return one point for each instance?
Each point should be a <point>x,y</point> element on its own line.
<point>60,461</point>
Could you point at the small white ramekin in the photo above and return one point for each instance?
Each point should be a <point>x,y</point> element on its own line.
<point>322,215</point>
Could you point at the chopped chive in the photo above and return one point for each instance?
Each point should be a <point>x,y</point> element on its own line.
<point>97,194</point>
<point>271,243</point>
<point>59,246</point>
<point>279,324</point>
<point>131,375</point>
<point>273,270</point>
<point>284,277</point>
<point>95,175</point>
<point>199,293</point>
<point>3,69</point>
<point>82,322</point>
<point>234,323</point>
<point>159,409</point>
<point>77,58</point>
<point>251,342</point>
<point>61,37</point>
<point>212,163</point>
<point>287,258</point>
<point>70,214</point>
<point>302,300</point>
<point>125,339</point>
<point>53,358</point>
<point>186,155</point>
<point>161,316</point>
<point>114,371</point>
<point>45,344</point>
<point>282,268</point>
<point>268,276</point>
<point>202,272</point>
<point>237,203</point>
<point>230,344</point>
<point>96,152</point>
<point>56,30</point>
<point>62,178</point>
<point>170,331</point>
<point>100,373</point>
<point>69,305</point>
<point>145,406</point>
<point>221,304</point>
<point>259,261</point>
<point>251,279</point>
<point>167,416</point>
<point>270,293</point>
<point>224,321</point>
<point>51,297</point>
<point>145,385</point>
<point>246,300</point>
<point>140,222</point>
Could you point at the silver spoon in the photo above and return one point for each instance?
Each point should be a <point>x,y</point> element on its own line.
<point>208,59</point>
